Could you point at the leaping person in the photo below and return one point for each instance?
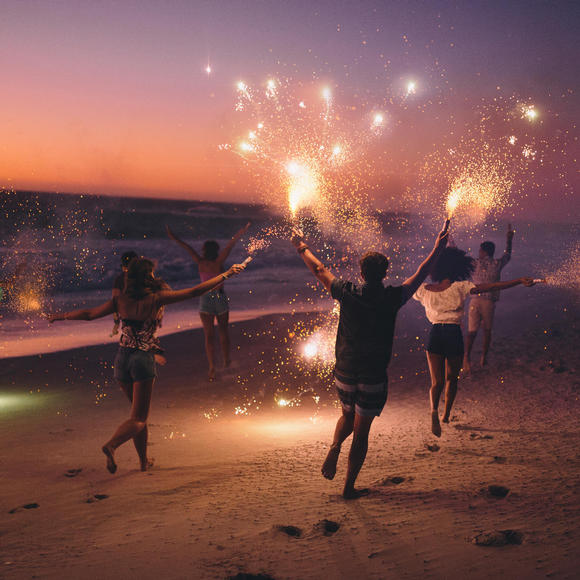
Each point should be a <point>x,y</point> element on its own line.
<point>364,343</point>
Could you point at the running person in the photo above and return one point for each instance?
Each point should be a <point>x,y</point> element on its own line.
<point>135,370</point>
<point>215,304</point>
<point>482,306</point>
<point>364,343</point>
<point>444,302</point>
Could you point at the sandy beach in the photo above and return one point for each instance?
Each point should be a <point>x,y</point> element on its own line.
<point>244,494</point>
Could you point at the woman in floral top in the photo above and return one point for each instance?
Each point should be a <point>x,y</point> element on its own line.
<point>138,308</point>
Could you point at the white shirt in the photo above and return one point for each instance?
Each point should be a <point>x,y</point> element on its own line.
<point>447,306</point>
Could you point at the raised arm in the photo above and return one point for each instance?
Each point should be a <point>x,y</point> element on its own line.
<point>172,296</point>
<point>525,281</point>
<point>85,313</point>
<point>312,262</point>
<point>508,247</point>
<point>411,285</point>
<point>194,255</point>
<point>230,245</point>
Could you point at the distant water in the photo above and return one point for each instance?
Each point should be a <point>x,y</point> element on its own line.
<point>72,247</point>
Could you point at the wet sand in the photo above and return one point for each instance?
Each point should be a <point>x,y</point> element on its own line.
<point>245,494</point>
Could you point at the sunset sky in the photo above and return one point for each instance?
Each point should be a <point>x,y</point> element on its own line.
<point>113,97</point>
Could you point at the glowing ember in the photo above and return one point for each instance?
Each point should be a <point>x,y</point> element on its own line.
<point>512,140</point>
<point>480,188</point>
<point>568,274</point>
<point>530,112</point>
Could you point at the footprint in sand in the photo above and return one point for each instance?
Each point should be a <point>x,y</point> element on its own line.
<point>499,491</point>
<point>327,527</point>
<point>498,459</point>
<point>97,497</point>
<point>498,538</point>
<point>433,448</point>
<point>26,506</point>
<point>73,472</point>
<point>477,436</point>
<point>396,480</point>
<point>291,531</point>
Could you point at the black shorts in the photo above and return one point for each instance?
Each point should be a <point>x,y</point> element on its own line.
<point>446,340</point>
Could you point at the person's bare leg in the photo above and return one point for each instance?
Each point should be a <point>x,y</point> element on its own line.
<point>140,440</point>
<point>452,369</point>
<point>344,427</point>
<point>357,455</point>
<point>469,340</point>
<point>486,343</point>
<point>223,320</point>
<point>437,371</point>
<point>134,425</point>
<point>208,332</point>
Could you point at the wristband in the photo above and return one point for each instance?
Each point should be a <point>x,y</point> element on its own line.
<point>302,249</point>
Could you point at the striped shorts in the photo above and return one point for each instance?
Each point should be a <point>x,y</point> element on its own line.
<point>364,399</point>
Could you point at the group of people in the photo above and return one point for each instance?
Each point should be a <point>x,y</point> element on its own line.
<point>364,338</point>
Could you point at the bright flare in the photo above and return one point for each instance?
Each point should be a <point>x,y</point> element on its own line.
<point>310,349</point>
<point>208,69</point>
<point>378,120</point>
<point>411,88</point>
<point>302,186</point>
<point>530,113</point>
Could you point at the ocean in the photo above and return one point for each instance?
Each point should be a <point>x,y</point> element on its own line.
<point>69,248</point>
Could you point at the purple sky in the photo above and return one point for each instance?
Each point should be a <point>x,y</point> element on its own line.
<point>111,97</point>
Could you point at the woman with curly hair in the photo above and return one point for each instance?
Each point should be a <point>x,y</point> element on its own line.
<point>138,307</point>
<point>444,302</point>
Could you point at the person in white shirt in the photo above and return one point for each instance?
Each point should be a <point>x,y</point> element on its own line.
<point>482,306</point>
<point>444,302</point>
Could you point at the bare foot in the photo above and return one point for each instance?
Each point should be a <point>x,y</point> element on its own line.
<point>148,464</point>
<point>211,374</point>
<point>329,465</point>
<point>110,454</point>
<point>445,419</point>
<point>435,425</point>
<point>354,493</point>
<point>483,361</point>
<point>466,367</point>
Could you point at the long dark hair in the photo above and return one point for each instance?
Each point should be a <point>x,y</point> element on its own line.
<point>453,264</point>
<point>210,250</point>
<point>140,279</point>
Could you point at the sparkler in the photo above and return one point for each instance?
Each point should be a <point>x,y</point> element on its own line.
<point>302,186</point>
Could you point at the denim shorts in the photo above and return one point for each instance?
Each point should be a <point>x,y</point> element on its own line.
<point>133,365</point>
<point>446,340</point>
<point>214,302</point>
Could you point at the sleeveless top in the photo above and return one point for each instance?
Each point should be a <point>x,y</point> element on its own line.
<point>205,276</point>
<point>140,334</point>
